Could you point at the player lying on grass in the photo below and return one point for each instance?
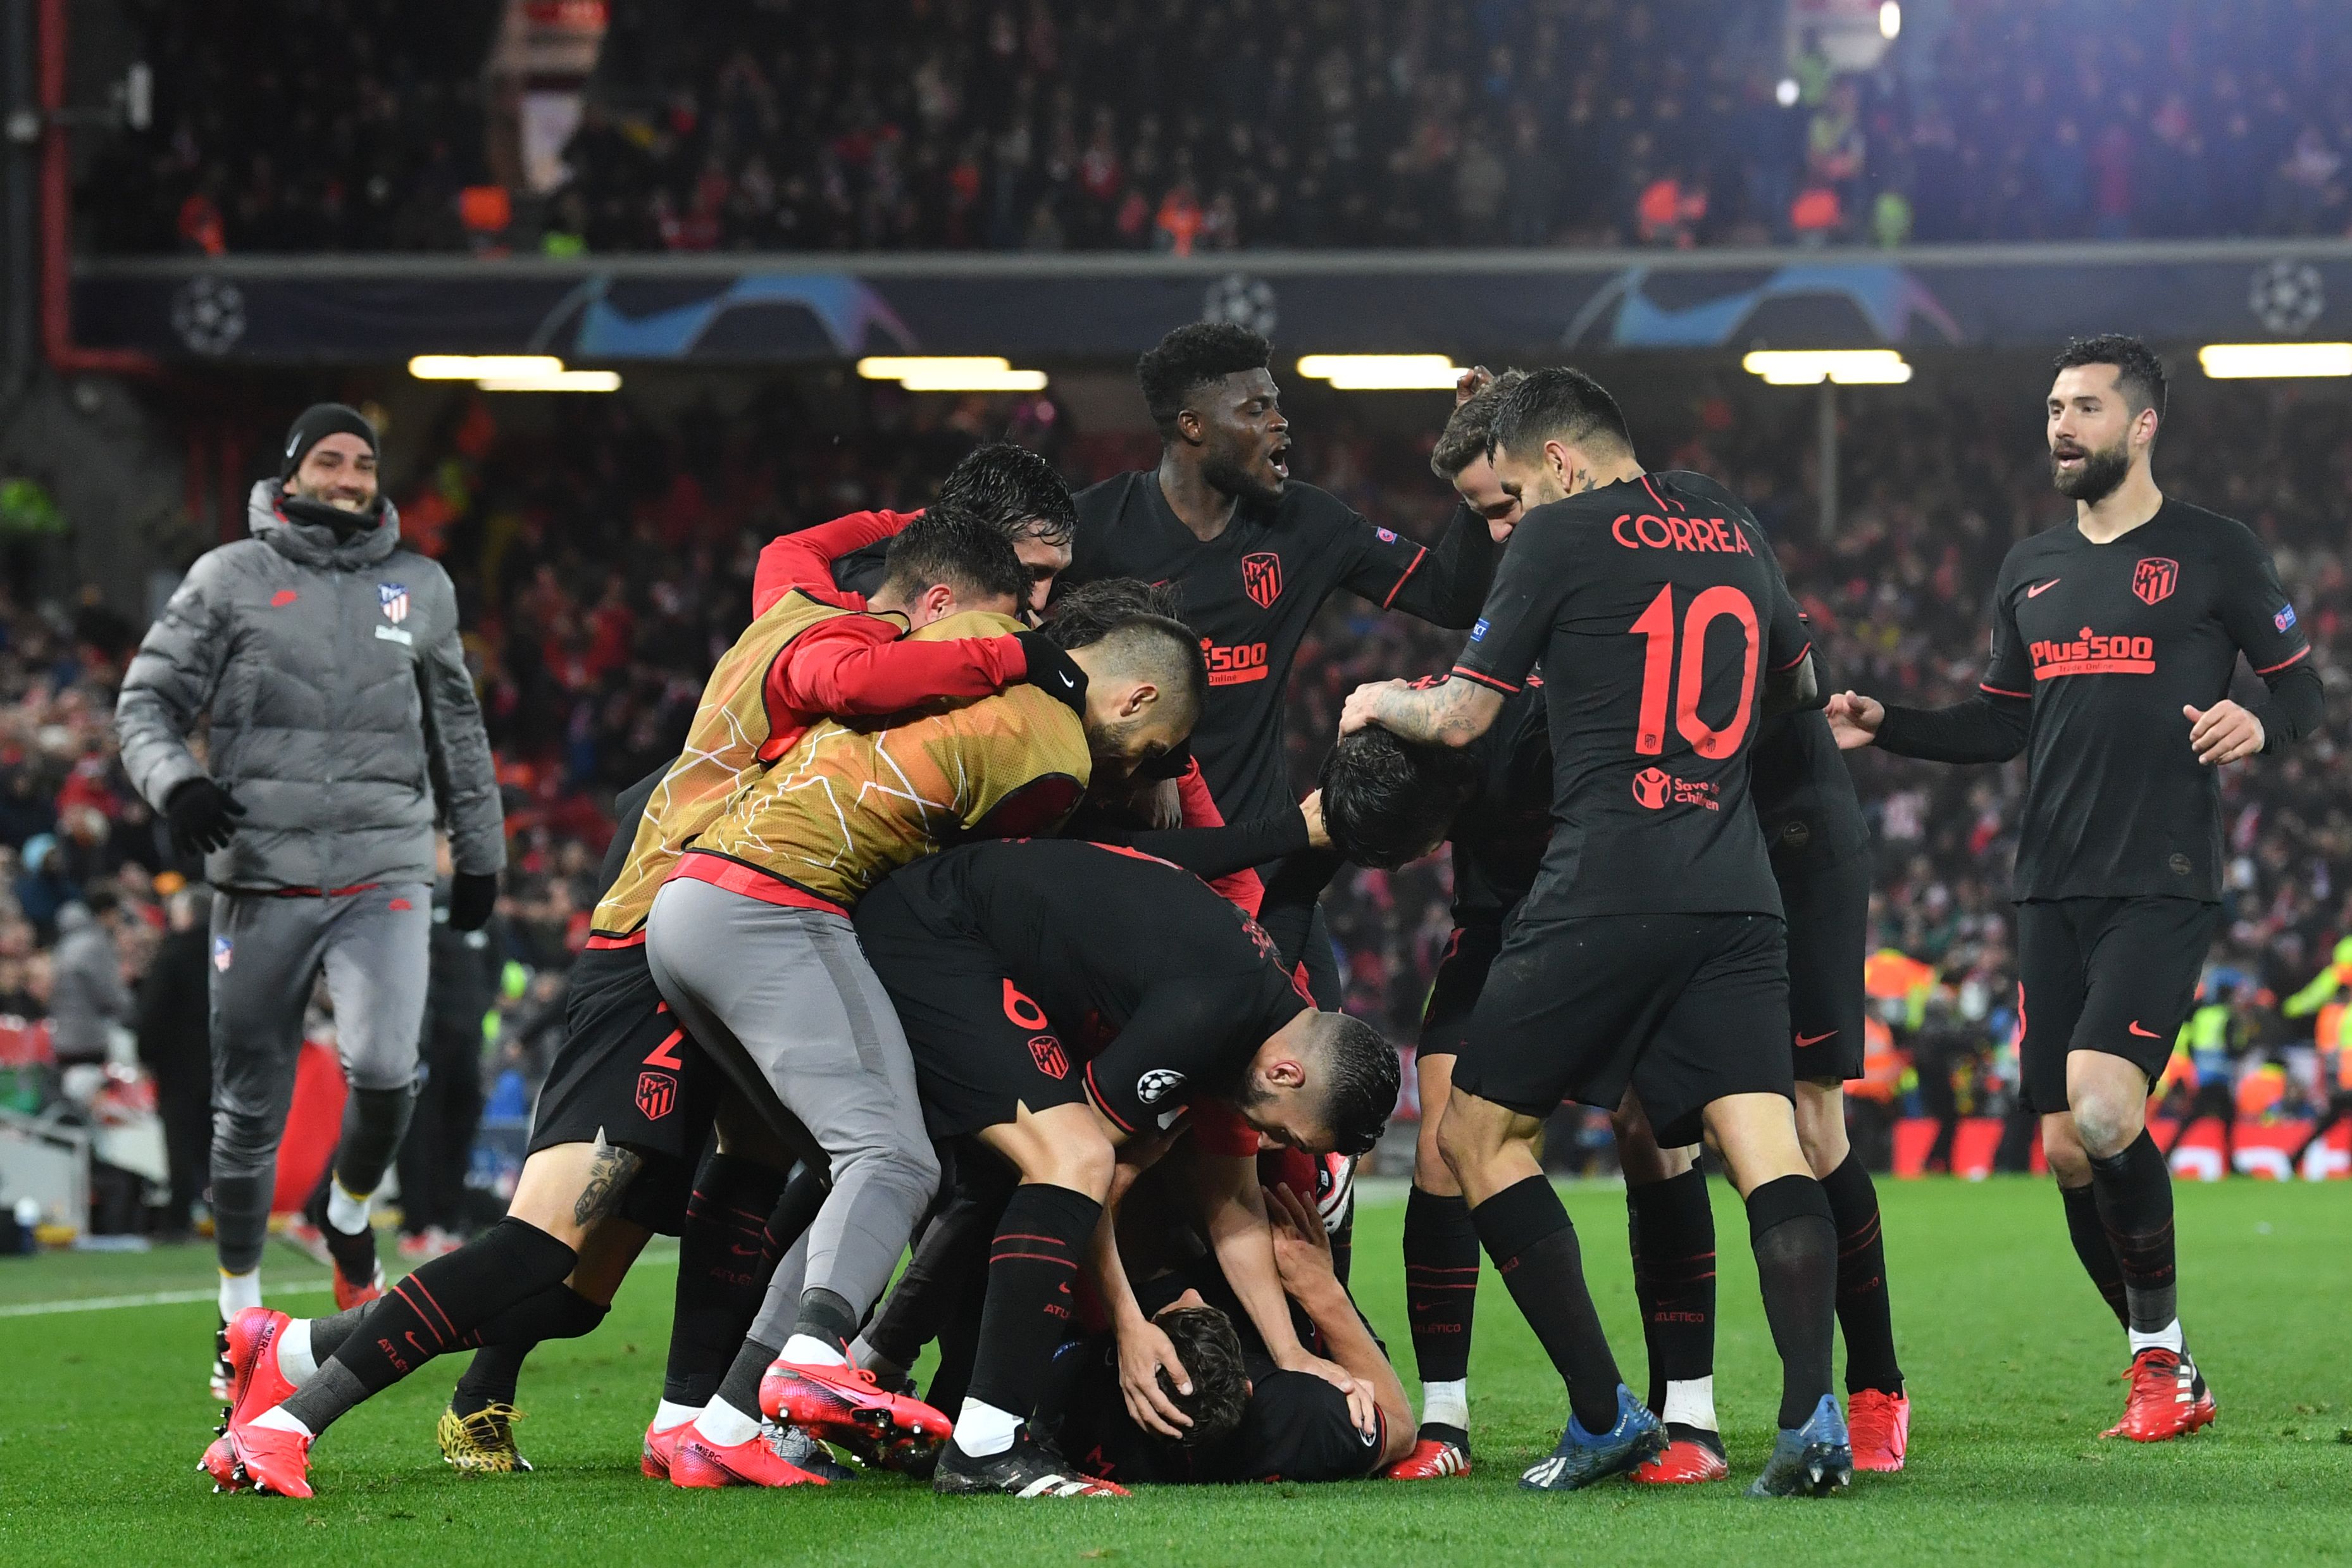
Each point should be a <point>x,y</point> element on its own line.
<point>1651,951</point>
<point>963,763</point>
<point>1062,998</point>
<point>1225,1411</point>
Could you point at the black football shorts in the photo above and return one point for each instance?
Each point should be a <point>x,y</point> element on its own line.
<point>2116,975</point>
<point>1454,994</point>
<point>1829,932</point>
<point>627,1073</point>
<point>1687,1008</point>
<point>983,1048</point>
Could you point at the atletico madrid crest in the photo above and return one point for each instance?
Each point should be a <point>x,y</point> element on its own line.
<point>656,1092</point>
<point>2155,578</point>
<point>393,596</point>
<point>1262,578</point>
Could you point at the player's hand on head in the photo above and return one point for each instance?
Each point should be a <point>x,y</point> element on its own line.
<point>2224,733</point>
<point>1317,835</point>
<point>1471,383</point>
<point>1143,1350</point>
<point>1855,720</point>
<point>1363,1407</point>
<point>1362,706</point>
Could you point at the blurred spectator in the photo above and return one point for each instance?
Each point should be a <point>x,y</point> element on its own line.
<point>175,1047</point>
<point>87,993</point>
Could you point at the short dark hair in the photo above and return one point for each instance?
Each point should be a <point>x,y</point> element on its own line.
<point>1211,1351</point>
<point>2139,374</point>
<point>1153,648</point>
<point>947,544</point>
<point>1189,359</point>
<point>1087,613</point>
<point>1361,1080</point>
<point>1014,488</point>
<point>1558,404</point>
<point>100,900</point>
<point>1386,801</point>
<point>1464,440</point>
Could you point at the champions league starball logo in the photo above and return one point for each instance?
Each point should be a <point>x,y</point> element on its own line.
<point>209,314</point>
<point>2286,296</point>
<point>1243,301</point>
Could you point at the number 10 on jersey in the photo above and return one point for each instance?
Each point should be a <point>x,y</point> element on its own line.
<point>1663,678</point>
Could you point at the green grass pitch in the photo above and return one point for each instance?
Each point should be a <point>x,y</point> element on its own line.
<point>2013,1365</point>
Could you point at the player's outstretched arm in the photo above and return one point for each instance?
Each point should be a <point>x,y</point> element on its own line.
<point>1452,715</point>
<point>1988,729</point>
<point>1302,1254</point>
<point>1234,1209</point>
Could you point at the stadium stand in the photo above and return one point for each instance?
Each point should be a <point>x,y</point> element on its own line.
<point>1199,126</point>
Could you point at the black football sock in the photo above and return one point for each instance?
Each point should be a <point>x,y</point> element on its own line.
<point>825,1317</point>
<point>2135,1196</point>
<point>1527,1232</point>
<point>558,1313</point>
<point>741,1387</point>
<point>1033,1267</point>
<point>492,1377</point>
<point>328,1334</point>
<point>1440,1296</point>
<point>1672,1224</point>
<point>727,1252</point>
<point>1863,1313</point>
<point>432,1310</point>
<point>1789,1224</point>
<point>2098,1253</point>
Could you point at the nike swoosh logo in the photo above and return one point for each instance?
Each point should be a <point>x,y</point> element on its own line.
<point>1068,685</point>
<point>2041,588</point>
<point>2144,1033</point>
<point>1813,1039</point>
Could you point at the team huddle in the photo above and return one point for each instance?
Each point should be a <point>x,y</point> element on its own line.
<point>976,918</point>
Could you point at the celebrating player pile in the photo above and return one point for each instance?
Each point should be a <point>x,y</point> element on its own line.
<point>1081,1075</point>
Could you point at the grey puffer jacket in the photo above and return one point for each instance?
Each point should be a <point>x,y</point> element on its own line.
<point>341,707</point>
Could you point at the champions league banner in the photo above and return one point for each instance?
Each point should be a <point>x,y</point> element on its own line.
<point>1031,308</point>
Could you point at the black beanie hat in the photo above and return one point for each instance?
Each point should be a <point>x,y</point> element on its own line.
<point>317,422</point>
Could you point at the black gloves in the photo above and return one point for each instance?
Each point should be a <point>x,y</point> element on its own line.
<point>202,817</point>
<point>473,895</point>
<point>1053,671</point>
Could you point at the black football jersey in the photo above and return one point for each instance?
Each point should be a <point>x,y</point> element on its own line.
<point>1657,611</point>
<point>2110,642</point>
<point>1499,834</point>
<point>1251,592</point>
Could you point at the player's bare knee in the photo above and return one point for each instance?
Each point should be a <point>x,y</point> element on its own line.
<point>2061,1148</point>
<point>1820,1126</point>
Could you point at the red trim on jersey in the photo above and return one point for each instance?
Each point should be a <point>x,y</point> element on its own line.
<point>1664,504</point>
<point>2284,662</point>
<point>1489,680</point>
<point>1418,556</point>
<point>1795,662</point>
<point>1132,853</point>
<point>1087,1076</point>
<point>598,941</point>
<point>752,881</point>
<point>2002,691</point>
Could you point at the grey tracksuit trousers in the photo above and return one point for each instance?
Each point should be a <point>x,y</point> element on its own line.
<point>784,1000</point>
<point>268,951</point>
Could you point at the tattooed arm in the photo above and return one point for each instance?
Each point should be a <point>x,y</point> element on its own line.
<point>1452,714</point>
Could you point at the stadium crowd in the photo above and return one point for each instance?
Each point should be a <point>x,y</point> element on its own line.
<point>604,565</point>
<point>1199,126</point>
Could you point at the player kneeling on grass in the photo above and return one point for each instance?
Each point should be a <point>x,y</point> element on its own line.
<point>1062,998</point>
<point>1227,1412</point>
